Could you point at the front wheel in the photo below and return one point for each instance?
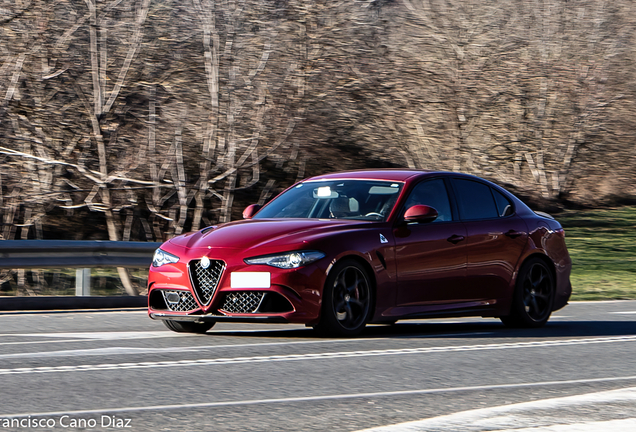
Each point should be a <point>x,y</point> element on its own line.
<point>347,300</point>
<point>533,296</point>
<point>188,326</point>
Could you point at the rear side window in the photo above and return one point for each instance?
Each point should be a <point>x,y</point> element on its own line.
<point>474,199</point>
<point>504,206</point>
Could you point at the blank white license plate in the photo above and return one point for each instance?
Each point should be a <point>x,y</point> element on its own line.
<point>250,280</point>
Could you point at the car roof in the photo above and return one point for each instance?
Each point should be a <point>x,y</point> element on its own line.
<point>399,174</point>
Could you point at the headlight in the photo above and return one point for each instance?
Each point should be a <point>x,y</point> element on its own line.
<point>287,260</point>
<point>162,257</point>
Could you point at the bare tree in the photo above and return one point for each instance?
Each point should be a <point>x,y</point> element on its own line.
<point>132,119</point>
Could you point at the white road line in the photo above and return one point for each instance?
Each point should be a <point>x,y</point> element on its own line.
<point>315,356</point>
<point>583,302</point>
<point>506,416</point>
<point>62,312</point>
<point>625,425</point>
<point>171,334</point>
<point>193,348</point>
<point>98,335</point>
<point>86,337</point>
<point>331,397</point>
<point>47,342</point>
<point>110,351</point>
<point>427,336</point>
<point>624,313</point>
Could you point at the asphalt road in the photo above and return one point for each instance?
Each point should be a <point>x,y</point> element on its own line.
<point>109,370</point>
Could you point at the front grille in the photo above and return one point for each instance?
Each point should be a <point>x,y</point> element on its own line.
<point>242,302</point>
<point>186,301</point>
<point>205,281</point>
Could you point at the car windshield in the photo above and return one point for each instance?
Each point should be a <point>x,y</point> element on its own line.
<point>341,199</point>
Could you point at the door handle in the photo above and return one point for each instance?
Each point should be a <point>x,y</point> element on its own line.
<point>514,234</point>
<point>454,239</point>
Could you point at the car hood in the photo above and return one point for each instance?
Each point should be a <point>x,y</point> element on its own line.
<point>274,234</point>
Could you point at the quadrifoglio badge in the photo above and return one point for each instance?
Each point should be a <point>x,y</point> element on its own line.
<point>66,421</point>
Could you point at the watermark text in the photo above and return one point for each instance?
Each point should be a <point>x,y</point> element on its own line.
<point>66,421</point>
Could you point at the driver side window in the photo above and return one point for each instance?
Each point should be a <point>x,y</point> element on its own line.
<point>433,194</point>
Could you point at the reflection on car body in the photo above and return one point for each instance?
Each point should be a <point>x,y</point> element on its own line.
<point>342,250</point>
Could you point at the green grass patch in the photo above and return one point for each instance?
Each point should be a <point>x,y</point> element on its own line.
<point>602,244</point>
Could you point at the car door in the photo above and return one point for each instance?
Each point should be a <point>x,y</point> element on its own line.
<point>496,237</point>
<point>430,257</point>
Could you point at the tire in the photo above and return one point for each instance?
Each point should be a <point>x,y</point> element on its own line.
<point>533,297</point>
<point>188,326</point>
<point>347,300</point>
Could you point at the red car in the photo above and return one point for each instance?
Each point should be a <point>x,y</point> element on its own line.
<point>342,250</point>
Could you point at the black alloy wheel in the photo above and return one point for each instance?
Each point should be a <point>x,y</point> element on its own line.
<point>533,297</point>
<point>347,300</point>
<point>188,326</point>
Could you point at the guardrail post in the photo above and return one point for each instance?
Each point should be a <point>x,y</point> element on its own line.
<point>83,282</point>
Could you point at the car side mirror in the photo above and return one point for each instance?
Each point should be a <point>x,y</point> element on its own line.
<point>251,210</point>
<point>420,213</point>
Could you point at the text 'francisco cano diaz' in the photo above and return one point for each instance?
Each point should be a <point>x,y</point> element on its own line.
<point>66,421</point>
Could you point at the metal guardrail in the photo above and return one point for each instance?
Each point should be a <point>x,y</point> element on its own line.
<point>25,254</point>
<point>79,254</point>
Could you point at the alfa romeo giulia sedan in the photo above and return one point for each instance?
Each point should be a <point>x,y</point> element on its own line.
<point>342,250</point>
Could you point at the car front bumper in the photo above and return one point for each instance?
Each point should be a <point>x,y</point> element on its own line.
<point>212,318</point>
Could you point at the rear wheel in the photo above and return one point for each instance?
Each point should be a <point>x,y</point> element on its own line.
<point>188,326</point>
<point>347,300</point>
<point>533,296</point>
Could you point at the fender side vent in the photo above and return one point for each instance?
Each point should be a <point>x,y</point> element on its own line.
<point>381,258</point>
